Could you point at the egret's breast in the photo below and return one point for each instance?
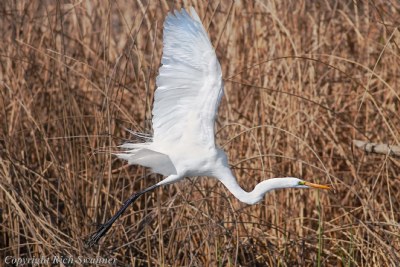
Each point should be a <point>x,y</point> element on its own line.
<point>194,161</point>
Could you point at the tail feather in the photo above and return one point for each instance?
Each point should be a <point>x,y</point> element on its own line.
<point>145,136</point>
<point>142,154</point>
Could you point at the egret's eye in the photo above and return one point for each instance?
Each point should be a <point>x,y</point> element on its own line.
<point>302,183</point>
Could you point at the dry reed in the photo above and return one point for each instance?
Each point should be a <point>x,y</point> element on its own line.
<point>302,80</point>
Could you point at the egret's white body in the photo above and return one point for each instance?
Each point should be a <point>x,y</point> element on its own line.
<point>189,90</point>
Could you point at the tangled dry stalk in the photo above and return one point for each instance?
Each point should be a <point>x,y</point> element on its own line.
<point>302,80</point>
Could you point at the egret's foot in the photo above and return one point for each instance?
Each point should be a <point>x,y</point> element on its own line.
<point>96,236</point>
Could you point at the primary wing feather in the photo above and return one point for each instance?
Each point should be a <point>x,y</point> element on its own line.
<point>189,85</point>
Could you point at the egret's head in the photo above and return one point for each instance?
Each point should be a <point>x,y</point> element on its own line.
<point>303,184</point>
<point>277,183</point>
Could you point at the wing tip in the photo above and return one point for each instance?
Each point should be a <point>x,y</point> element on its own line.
<point>175,13</point>
<point>194,14</point>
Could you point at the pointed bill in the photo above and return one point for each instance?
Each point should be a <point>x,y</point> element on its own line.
<point>319,186</point>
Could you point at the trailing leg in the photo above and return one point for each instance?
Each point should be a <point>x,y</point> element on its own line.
<point>95,237</point>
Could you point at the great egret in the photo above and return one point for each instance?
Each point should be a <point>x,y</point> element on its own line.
<point>189,89</point>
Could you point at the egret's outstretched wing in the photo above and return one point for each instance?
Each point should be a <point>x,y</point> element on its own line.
<point>189,85</point>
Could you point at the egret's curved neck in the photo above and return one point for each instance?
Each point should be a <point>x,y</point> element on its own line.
<point>227,178</point>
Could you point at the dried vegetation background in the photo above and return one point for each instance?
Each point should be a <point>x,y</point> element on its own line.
<point>302,79</point>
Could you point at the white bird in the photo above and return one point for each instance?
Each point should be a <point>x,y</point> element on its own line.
<point>189,90</point>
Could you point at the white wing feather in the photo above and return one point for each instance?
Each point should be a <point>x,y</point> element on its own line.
<point>189,85</point>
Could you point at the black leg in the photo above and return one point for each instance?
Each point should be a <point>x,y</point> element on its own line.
<point>95,237</point>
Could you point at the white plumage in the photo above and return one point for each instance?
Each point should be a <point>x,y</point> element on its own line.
<point>189,85</point>
<point>189,89</point>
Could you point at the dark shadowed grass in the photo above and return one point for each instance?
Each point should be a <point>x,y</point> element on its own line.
<point>302,80</point>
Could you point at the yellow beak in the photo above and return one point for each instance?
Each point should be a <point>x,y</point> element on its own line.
<point>319,186</point>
